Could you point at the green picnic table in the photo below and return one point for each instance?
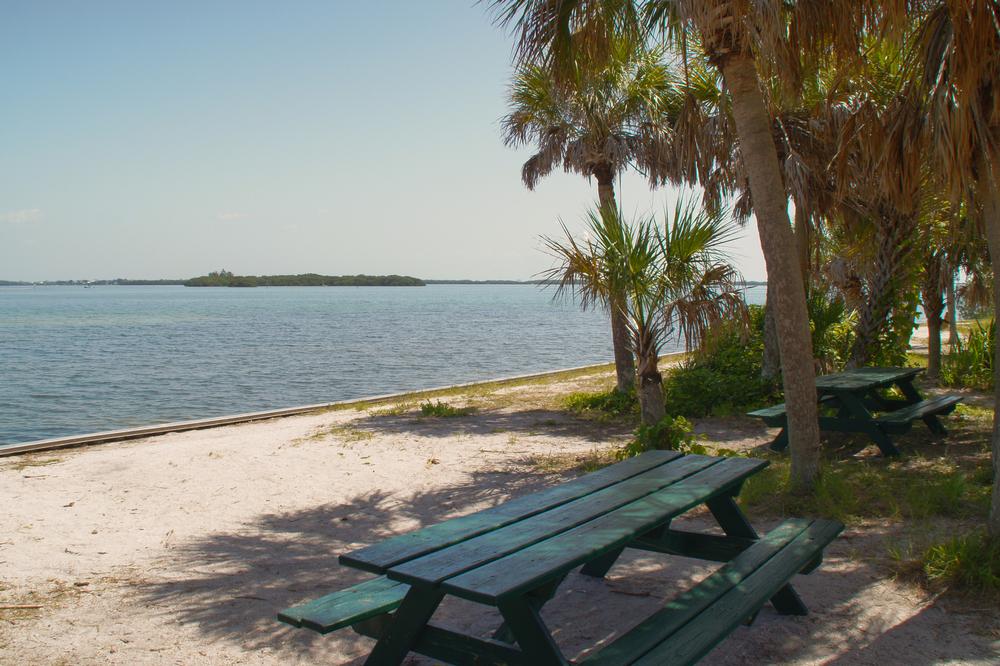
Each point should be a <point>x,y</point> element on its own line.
<point>854,401</point>
<point>514,556</point>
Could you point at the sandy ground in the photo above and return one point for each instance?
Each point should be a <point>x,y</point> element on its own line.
<point>180,549</point>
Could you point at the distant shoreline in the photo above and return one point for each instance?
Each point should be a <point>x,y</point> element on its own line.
<point>120,282</point>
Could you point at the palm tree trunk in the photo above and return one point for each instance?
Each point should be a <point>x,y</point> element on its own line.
<point>771,363</point>
<point>651,407</point>
<point>605,185</point>
<point>893,234</point>
<point>802,243</point>
<point>934,347</point>
<point>760,159</point>
<point>988,192</point>
<point>930,295</point>
<point>624,360</point>
<point>952,311</point>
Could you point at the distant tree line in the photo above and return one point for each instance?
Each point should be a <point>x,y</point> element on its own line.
<point>90,283</point>
<point>225,278</point>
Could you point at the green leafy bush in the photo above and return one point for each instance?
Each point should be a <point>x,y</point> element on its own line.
<point>604,404</point>
<point>442,409</point>
<point>724,376</point>
<point>832,327</point>
<point>970,562</point>
<point>672,433</point>
<point>971,364</point>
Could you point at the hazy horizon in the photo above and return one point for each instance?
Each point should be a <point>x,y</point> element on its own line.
<point>167,141</point>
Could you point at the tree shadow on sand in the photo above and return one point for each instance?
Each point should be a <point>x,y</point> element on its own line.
<point>231,584</point>
<point>525,422</point>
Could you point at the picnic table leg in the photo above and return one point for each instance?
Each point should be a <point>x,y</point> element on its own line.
<point>537,598</point>
<point>599,568</point>
<point>780,442</point>
<point>911,393</point>
<point>734,522</point>
<point>402,632</point>
<point>854,408</point>
<point>530,632</point>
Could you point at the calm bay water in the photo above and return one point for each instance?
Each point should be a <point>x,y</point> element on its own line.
<point>76,360</point>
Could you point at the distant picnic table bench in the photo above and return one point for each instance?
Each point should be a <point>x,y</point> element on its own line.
<point>515,555</point>
<point>859,406</point>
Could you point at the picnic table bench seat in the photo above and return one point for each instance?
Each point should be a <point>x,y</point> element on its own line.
<point>348,606</point>
<point>688,627</point>
<point>775,414</point>
<point>901,419</point>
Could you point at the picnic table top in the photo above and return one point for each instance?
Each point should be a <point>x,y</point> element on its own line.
<point>519,545</point>
<point>863,378</point>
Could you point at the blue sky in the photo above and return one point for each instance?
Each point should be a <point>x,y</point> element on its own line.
<point>146,139</point>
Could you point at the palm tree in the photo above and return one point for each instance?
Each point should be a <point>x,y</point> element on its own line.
<point>959,60</point>
<point>673,279</point>
<point>596,123</point>
<point>573,34</point>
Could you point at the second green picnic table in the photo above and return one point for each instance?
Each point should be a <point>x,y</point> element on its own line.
<point>858,403</point>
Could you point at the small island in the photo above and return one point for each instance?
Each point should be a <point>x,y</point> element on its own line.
<point>227,279</point>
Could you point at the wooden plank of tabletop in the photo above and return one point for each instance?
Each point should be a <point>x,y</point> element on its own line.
<point>530,567</point>
<point>863,378</point>
<point>380,556</point>
<point>435,567</point>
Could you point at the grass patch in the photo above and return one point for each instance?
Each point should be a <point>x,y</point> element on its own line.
<point>853,491</point>
<point>973,412</point>
<point>575,463</point>
<point>440,409</point>
<point>602,405</point>
<point>344,433</point>
<point>31,461</point>
<point>349,434</point>
<point>968,563</point>
<point>391,410</point>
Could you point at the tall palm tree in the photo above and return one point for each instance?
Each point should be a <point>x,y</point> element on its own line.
<point>673,277</point>
<point>596,123</point>
<point>570,34</point>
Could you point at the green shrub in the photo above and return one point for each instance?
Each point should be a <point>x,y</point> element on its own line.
<point>442,409</point>
<point>832,328</point>
<point>970,562</point>
<point>971,364</point>
<point>722,377</point>
<point>672,433</point>
<point>613,403</point>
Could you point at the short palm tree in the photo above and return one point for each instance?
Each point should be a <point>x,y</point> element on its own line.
<point>673,279</point>
<point>596,123</point>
